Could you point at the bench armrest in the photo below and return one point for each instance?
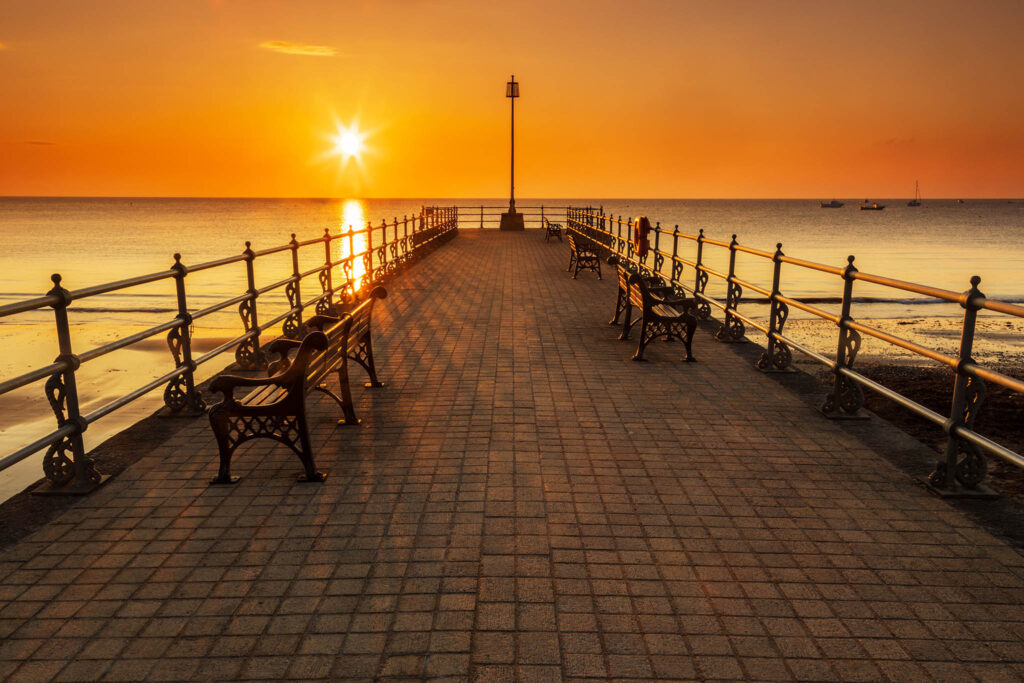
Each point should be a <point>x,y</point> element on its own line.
<point>226,384</point>
<point>315,342</point>
<point>280,348</point>
<point>322,322</point>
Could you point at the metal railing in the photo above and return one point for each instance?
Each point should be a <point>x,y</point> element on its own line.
<point>490,216</point>
<point>384,249</point>
<point>965,464</point>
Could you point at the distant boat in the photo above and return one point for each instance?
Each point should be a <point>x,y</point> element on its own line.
<point>873,206</point>
<point>834,204</point>
<point>916,201</point>
<point>959,201</point>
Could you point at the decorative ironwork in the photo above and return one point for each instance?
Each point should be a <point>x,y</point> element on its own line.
<point>247,354</point>
<point>179,396</point>
<point>56,394</point>
<point>324,305</point>
<point>778,355</point>
<point>846,395</point>
<point>732,329</point>
<point>703,307</point>
<point>677,271</point>
<point>292,325</point>
<point>659,262</point>
<point>971,464</point>
<point>59,462</point>
<point>59,466</point>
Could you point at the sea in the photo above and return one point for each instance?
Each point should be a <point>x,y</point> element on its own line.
<point>89,241</point>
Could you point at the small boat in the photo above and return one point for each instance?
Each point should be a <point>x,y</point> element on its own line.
<point>959,201</point>
<point>916,201</point>
<point>873,206</point>
<point>834,204</point>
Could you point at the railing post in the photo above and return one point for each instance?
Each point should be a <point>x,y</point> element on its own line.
<point>65,464</point>
<point>658,259</point>
<point>700,279</point>
<point>732,329</point>
<point>368,256</point>
<point>629,237</point>
<point>293,291</point>
<point>777,356</point>
<point>846,398</point>
<point>965,463</point>
<point>326,305</point>
<point>248,354</point>
<point>676,270</point>
<point>405,237</point>
<point>350,266</point>
<point>180,395</point>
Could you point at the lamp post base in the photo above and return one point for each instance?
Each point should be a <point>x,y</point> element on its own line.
<point>512,221</point>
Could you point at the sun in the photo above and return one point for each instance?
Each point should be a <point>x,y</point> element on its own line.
<point>348,143</point>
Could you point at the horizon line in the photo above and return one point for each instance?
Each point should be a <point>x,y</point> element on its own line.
<point>814,198</point>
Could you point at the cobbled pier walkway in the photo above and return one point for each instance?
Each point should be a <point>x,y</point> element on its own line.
<point>522,502</point>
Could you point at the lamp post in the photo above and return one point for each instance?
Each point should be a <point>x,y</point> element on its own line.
<point>512,220</point>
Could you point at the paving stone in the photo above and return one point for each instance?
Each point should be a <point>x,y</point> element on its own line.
<point>505,511</point>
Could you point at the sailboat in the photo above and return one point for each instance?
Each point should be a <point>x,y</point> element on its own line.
<point>916,201</point>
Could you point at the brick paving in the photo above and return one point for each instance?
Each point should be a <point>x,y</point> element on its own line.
<point>521,501</point>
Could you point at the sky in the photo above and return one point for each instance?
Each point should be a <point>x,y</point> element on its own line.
<point>639,98</point>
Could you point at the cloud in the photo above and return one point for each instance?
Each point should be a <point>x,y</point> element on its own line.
<point>288,48</point>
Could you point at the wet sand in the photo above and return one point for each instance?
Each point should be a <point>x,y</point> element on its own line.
<point>26,413</point>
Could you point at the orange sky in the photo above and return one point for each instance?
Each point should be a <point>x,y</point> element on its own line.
<point>620,99</point>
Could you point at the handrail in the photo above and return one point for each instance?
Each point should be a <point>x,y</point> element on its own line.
<point>481,214</point>
<point>367,256</point>
<point>964,461</point>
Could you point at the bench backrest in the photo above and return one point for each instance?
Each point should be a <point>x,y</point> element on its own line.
<point>344,336</point>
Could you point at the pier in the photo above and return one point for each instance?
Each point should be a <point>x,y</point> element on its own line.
<point>520,501</point>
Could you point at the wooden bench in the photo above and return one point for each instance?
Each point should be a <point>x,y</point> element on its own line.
<point>582,256</point>
<point>276,406</point>
<point>668,315</point>
<point>552,230</point>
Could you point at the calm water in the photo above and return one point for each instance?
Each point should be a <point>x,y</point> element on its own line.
<point>97,240</point>
<point>91,241</point>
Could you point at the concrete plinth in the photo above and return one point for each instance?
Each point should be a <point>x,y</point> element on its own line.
<point>512,220</point>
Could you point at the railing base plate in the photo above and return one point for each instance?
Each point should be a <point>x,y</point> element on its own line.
<point>48,489</point>
<point>982,492</point>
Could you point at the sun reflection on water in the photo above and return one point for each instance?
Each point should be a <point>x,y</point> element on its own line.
<point>353,219</point>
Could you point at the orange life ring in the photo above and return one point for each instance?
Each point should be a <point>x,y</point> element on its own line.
<point>642,228</point>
